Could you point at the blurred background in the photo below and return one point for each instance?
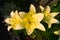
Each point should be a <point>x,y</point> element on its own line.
<point>6,6</point>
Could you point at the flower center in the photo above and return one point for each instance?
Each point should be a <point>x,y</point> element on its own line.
<point>47,17</point>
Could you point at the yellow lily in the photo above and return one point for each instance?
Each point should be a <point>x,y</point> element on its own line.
<point>32,20</point>
<point>49,17</point>
<point>57,32</point>
<point>14,21</point>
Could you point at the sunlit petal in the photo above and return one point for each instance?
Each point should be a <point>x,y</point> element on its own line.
<point>47,9</point>
<point>22,14</point>
<point>18,27</point>
<point>38,16</point>
<point>53,20</point>
<point>16,12</point>
<point>49,25</point>
<point>32,8</point>
<point>29,32</point>
<point>54,14</point>
<point>7,20</point>
<point>56,32</point>
<point>40,26</point>
<point>17,17</point>
<point>12,14</point>
<point>42,8</point>
<point>9,27</point>
<point>31,29</point>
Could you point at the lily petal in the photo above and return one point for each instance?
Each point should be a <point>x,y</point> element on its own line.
<point>47,9</point>
<point>38,16</point>
<point>22,14</point>
<point>18,27</point>
<point>32,8</point>
<point>12,14</point>
<point>42,8</point>
<point>54,14</point>
<point>31,29</point>
<point>16,12</point>
<point>9,27</point>
<point>53,20</point>
<point>17,17</point>
<point>56,32</point>
<point>40,26</point>
<point>49,25</point>
<point>7,20</point>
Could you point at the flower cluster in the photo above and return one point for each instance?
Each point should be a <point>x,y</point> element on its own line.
<point>31,20</point>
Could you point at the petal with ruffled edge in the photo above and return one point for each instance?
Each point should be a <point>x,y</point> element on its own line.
<point>17,17</point>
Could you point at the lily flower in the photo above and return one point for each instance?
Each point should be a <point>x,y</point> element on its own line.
<point>57,32</point>
<point>32,20</point>
<point>49,17</point>
<point>14,21</point>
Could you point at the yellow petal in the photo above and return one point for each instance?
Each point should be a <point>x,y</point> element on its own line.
<point>16,12</point>
<point>22,14</point>
<point>42,8</point>
<point>40,26</point>
<point>32,8</point>
<point>38,16</point>
<point>12,14</point>
<point>9,27</point>
<point>47,9</point>
<point>56,32</point>
<point>17,17</point>
<point>18,27</point>
<point>54,14</point>
<point>53,20</point>
<point>7,20</point>
<point>49,25</point>
<point>30,29</point>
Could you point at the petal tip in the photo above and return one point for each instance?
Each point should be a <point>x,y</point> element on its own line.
<point>49,26</point>
<point>42,8</point>
<point>56,32</point>
<point>9,27</point>
<point>44,29</point>
<point>32,8</point>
